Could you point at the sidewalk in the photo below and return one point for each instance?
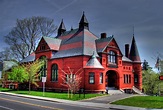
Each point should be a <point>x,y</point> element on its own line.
<point>108,99</point>
<point>80,103</point>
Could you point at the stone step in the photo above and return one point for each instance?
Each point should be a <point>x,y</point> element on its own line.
<point>113,92</point>
<point>136,90</point>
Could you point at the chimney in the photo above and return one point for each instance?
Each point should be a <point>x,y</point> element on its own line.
<point>127,50</point>
<point>103,35</point>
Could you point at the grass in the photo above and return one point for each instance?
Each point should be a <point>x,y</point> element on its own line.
<point>4,89</point>
<point>142,101</point>
<point>52,94</point>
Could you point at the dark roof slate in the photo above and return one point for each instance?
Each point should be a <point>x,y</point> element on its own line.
<point>94,63</point>
<point>83,19</point>
<point>62,26</point>
<point>134,54</point>
<point>125,59</point>
<point>7,65</point>
<point>81,42</point>
<point>102,43</point>
<point>53,43</point>
<point>29,58</point>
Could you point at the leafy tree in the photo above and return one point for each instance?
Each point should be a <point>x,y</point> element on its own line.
<point>145,65</point>
<point>18,74</point>
<point>33,70</point>
<point>72,80</point>
<point>150,81</point>
<point>23,38</point>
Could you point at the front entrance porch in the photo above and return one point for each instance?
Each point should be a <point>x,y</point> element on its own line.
<point>112,80</point>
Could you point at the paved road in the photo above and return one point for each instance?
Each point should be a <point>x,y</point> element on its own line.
<point>8,102</point>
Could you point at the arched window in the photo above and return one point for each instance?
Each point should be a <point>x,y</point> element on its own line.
<point>54,72</point>
<point>112,57</point>
<point>44,68</point>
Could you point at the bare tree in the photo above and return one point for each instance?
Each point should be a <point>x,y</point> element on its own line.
<point>24,38</point>
<point>6,55</point>
<point>72,80</point>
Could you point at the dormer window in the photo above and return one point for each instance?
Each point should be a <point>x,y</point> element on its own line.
<point>112,57</point>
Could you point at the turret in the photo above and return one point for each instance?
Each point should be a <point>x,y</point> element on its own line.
<point>134,54</point>
<point>83,24</point>
<point>61,28</point>
<point>137,69</point>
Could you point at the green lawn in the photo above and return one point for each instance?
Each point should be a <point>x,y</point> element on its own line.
<point>142,101</point>
<point>53,94</point>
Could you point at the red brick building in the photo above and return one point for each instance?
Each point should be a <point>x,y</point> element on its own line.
<point>100,58</point>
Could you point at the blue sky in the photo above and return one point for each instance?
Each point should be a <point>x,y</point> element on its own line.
<point>115,17</point>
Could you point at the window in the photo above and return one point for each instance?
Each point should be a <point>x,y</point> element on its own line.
<point>66,78</point>
<point>101,78</point>
<point>43,69</point>
<point>42,47</point>
<point>54,72</point>
<point>70,78</point>
<point>135,78</point>
<point>112,57</point>
<point>91,78</point>
<point>127,78</point>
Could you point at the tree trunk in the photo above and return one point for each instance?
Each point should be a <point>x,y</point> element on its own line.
<point>68,94</point>
<point>29,87</point>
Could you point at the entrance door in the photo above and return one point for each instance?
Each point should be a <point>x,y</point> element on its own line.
<point>112,79</point>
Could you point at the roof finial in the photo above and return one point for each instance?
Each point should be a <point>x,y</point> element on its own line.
<point>133,31</point>
<point>71,28</point>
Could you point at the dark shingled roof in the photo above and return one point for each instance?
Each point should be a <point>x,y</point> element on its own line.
<point>53,43</point>
<point>62,26</point>
<point>125,59</point>
<point>29,58</point>
<point>77,42</point>
<point>134,54</point>
<point>8,65</point>
<point>102,43</point>
<point>83,19</point>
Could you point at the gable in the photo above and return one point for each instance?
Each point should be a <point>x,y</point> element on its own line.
<point>113,46</point>
<point>48,43</point>
<point>42,46</point>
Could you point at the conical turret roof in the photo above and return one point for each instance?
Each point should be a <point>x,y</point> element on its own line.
<point>61,28</point>
<point>83,24</point>
<point>94,63</point>
<point>134,54</point>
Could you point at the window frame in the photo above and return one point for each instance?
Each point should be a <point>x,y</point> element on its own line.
<point>43,72</point>
<point>54,73</point>
<point>91,78</point>
<point>112,57</point>
<point>136,78</point>
<point>127,78</point>
<point>101,80</point>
